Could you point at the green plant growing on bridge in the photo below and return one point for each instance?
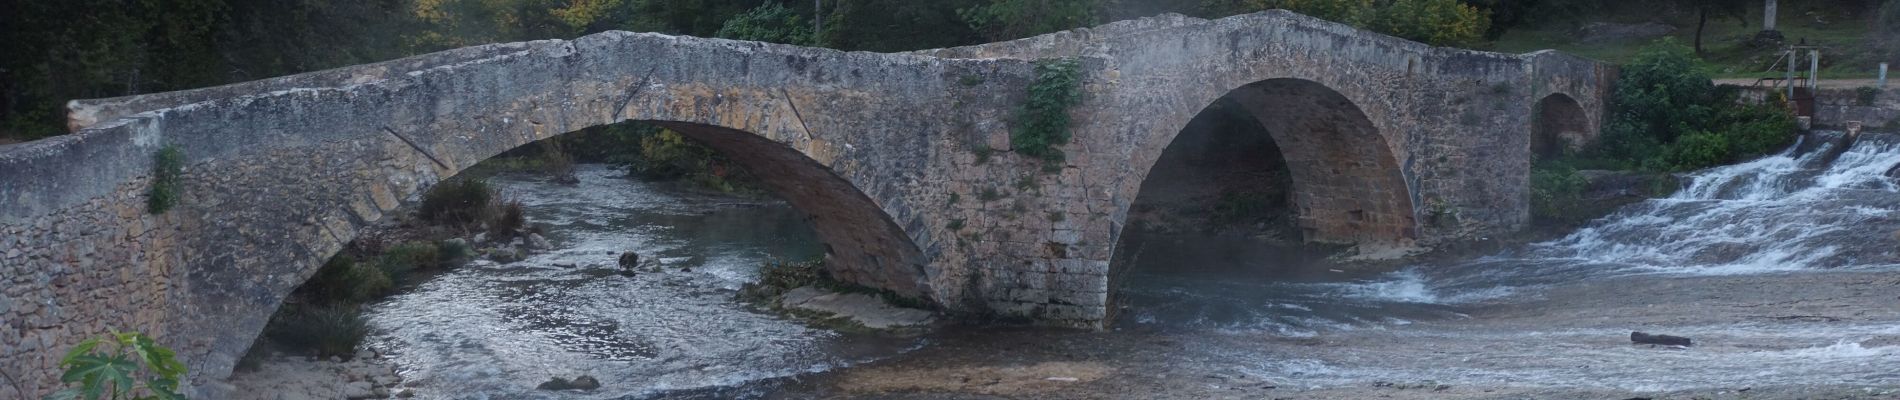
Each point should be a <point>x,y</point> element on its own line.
<point>121,365</point>
<point>168,165</point>
<point>1045,118</point>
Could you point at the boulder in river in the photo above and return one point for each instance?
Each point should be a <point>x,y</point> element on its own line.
<point>583,382</point>
<point>628,262</point>
<point>1665,340</point>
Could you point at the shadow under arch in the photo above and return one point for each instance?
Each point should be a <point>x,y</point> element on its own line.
<point>1344,184</point>
<point>1347,186</point>
<point>1559,125</point>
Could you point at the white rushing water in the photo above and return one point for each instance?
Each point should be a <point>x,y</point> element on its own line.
<point>1825,208</point>
<point>1780,267</point>
<point>491,330</point>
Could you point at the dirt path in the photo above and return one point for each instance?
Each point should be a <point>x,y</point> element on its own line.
<point>1825,83</point>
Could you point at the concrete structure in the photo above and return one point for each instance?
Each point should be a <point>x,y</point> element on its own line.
<point>1391,143</point>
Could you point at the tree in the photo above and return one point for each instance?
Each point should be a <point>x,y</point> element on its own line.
<point>771,22</point>
<point>1733,8</point>
<point>1435,22</point>
<point>1014,19</point>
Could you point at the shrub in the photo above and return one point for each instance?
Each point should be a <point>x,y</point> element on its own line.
<point>323,331</point>
<point>556,163</point>
<point>342,280</point>
<point>1664,93</point>
<point>397,262</point>
<point>769,22</point>
<point>1555,191</point>
<point>1669,116</point>
<point>168,166</point>
<point>779,276</point>
<point>1435,22</point>
<point>669,155</point>
<point>459,202</point>
<point>1697,150</point>
<point>1045,119</point>
<point>507,219</point>
<point>133,367</point>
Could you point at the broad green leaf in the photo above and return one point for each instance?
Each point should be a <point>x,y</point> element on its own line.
<point>67,394</point>
<point>159,359</point>
<point>94,372</point>
<point>82,349</point>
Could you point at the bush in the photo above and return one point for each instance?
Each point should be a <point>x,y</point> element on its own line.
<point>669,155</point>
<point>1556,190</point>
<point>1435,22</point>
<point>168,166</point>
<point>780,276</point>
<point>1669,116</point>
<point>397,262</point>
<point>459,202</point>
<point>507,220</point>
<point>1696,150</point>
<point>769,22</point>
<point>342,280</point>
<point>323,331</point>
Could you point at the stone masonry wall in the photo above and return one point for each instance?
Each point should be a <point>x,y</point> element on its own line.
<point>903,160</point>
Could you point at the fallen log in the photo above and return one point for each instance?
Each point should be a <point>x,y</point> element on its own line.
<point>1665,340</point>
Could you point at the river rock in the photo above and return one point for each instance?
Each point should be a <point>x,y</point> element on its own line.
<point>583,382</point>
<point>359,390</point>
<point>537,242</point>
<point>1665,340</point>
<point>867,310</point>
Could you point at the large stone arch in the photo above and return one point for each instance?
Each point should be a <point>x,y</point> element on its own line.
<point>1348,186</point>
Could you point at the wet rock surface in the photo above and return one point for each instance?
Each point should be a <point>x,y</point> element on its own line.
<point>863,309</point>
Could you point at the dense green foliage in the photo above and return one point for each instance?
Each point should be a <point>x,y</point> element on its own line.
<point>320,330</point>
<point>168,168</point>
<point>772,22</point>
<point>669,155</point>
<point>1010,19</point>
<point>1555,190</point>
<point>1668,115</point>
<point>1438,22</point>
<point>323,317</point>
<point>459,202</point>
<point>1044,122</point>
<point>126,365</point>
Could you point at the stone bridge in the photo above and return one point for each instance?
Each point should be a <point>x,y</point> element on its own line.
<point>1391,143</point>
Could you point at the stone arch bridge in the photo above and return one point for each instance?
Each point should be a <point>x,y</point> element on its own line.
<point>1391,143</point>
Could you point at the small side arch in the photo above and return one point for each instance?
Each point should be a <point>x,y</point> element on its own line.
<point>1558,125</point>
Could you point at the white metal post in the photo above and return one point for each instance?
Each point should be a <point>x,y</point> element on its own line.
<point>1814,69</point>
<point>1883,76</point>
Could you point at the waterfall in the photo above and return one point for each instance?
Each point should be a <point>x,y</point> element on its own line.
<point>1832,207</point>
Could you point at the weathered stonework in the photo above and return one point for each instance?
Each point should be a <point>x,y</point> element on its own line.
<point>888,152</point>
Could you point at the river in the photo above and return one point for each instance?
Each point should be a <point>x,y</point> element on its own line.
<point>1784,270</point>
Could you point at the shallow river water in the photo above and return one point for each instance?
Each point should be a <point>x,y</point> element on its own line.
<point>1785,271</point>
